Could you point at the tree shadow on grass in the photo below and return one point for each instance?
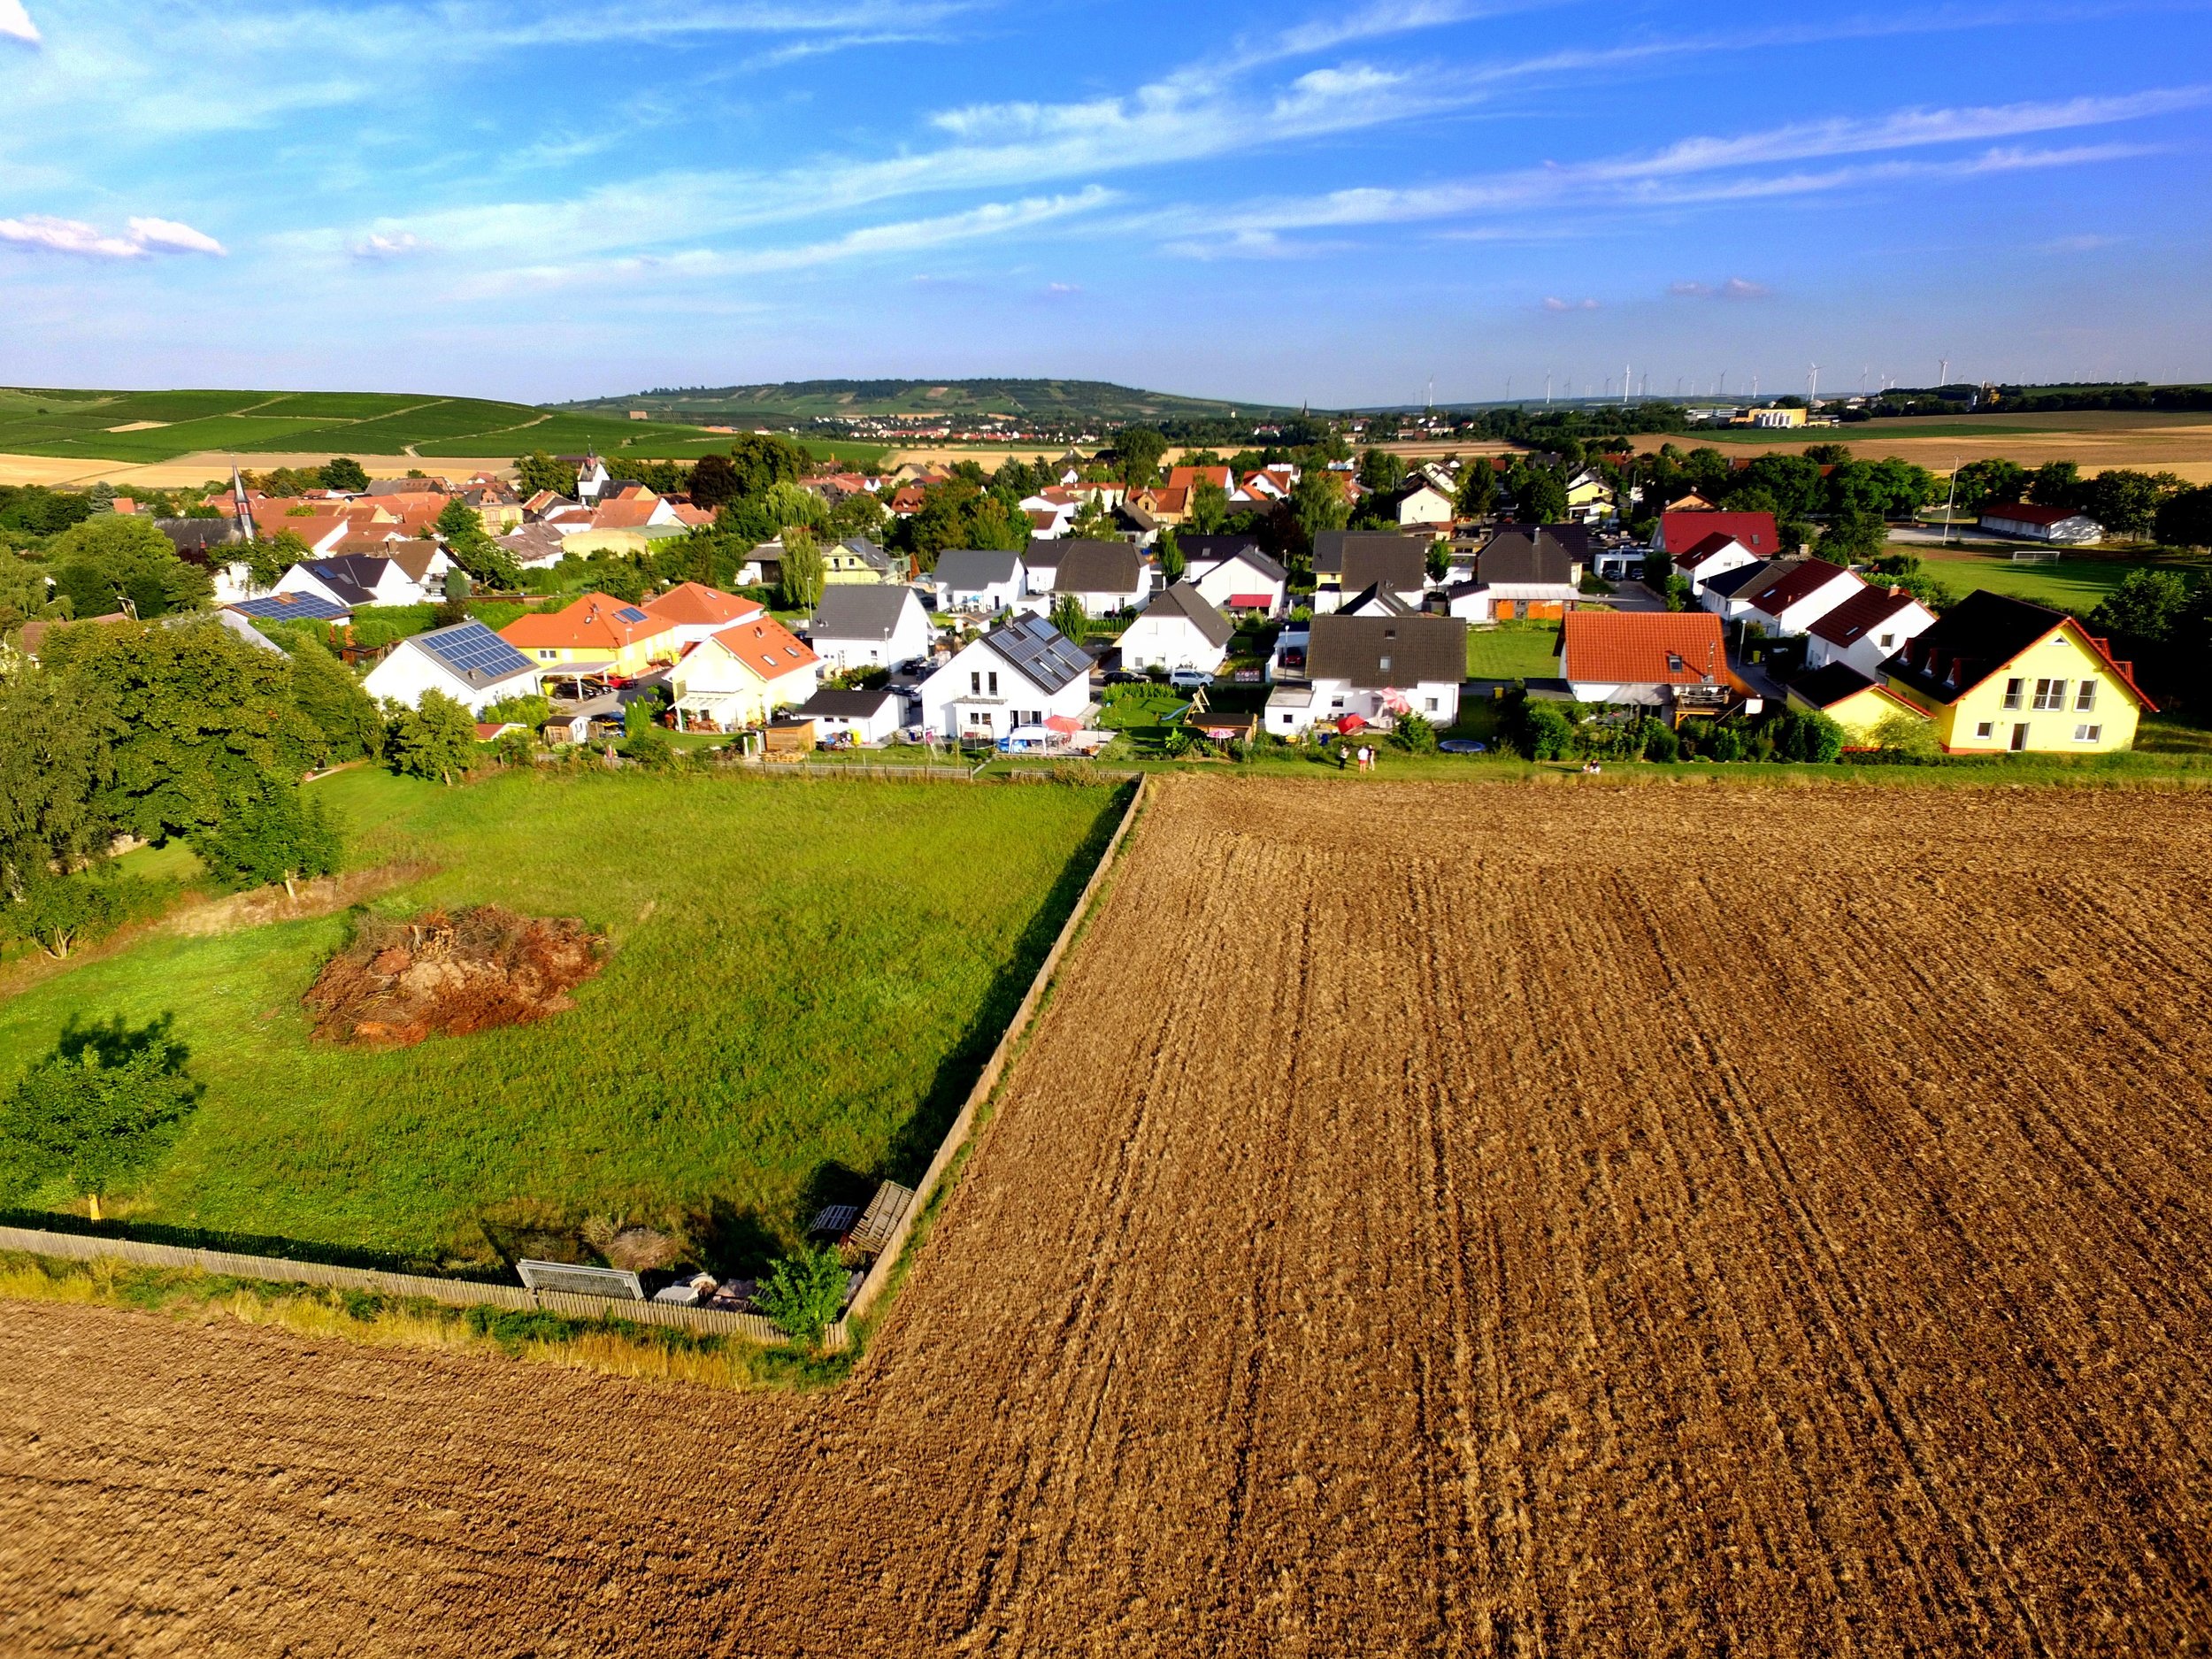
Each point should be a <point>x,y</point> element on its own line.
<point>915,1143</point>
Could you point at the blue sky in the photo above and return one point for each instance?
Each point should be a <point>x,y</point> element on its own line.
<point>1338,204</point>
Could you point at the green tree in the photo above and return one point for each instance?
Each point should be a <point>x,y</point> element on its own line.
<point>1380,470</point>
<point>56,767</point>
<point>804,572</point>
<point>1440,560</point>
<point>1069,616</point>
<point>455,606</point>
<point>1980,482</point>
<point>1139,449</point>
<point>104,562</point>
<point>469,546</point>
<point>538,470</point>
<point>1540,496</point>
<point>713,481</point>
<point>285,836</point>
<point>435,739</point>
<point>1478,488</point>
<point>804,1293</point>
<point>2147,603</point>
<point>1209,510</point>
<point>1416,734</point>
<point>1908,737</point>
<point>268,557</point>
<point>1173,564</point>
<point>2184,518</point>
<point>1853,537</point>
<point>2055,484</point>
<point>1317,500</point>
<point>325,691</point>
<point>101,1108</point>
<point>342,473</point>
<point>2126,503</point>
<point>759,460</point>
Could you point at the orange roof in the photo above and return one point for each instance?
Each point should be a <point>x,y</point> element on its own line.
<point>1190,476</point>
<point>1643,648</point>
<point>685,513</point>
<point>766,646</point>
<point>597,622</point>
<point>630,492</point>
<point>1172,497</point>
<point>697,602</point>
<point>624,515</point>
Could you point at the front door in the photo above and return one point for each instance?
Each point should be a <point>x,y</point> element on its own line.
<point>2019,737</point>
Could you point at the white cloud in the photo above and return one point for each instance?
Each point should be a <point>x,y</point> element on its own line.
<point>15,23</point>
<point>168,236</point>
<point>1734,289</point>
<point>393,244</point>
<point>88,241</point>
<point>1552,302</point>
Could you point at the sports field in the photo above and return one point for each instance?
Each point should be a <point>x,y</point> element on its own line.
<point>1425,1221</point>
<point>2098,439</point>
<point>804,979</point>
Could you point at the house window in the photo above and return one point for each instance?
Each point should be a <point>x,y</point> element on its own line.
<point>1286,720</point>
<point>2050,694</point>
<point>1383,663</point>
<point>1889,641</point>
<point>1337,702</point>
<point>2085,699</point>
<point>2012,693</point>
<point>1987,728</point>
<point>995,683</point>
<point>2088,733</point>
<point>975,684</point>
<point>1431,705</point>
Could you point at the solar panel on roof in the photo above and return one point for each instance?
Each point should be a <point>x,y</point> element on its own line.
<point>470,648</point>
<point>631,613</point>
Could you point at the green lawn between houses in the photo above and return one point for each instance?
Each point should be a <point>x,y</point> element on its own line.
<point>1513,650</point>
<point>2078,584</point>
<point>805,979</point>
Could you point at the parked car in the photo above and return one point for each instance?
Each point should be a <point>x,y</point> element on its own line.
<point>1124,677</point>
<point>1190,678</point>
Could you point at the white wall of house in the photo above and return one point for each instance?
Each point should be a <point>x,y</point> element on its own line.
<point>1435,701</point>
<point>978,690</point>
<point>1591,691</point>
<point>992,597</point>
<point>409,670</point>
<point>1484,604</point>
<point>1228,578</point>
<point>1107,604</point>
<point>1797,618</point>
<point>1040,567</point>
<point>873,730</point>
<point>1171,642</point>
<point>1734,557</point>
<point>1427,506</point>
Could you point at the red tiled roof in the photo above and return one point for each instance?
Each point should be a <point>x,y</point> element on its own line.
<point>1679,532</point>
<point>694,603</point>
<point>766,646</point>
<point>1860,614</point>
<point>1643,648</point>
<point>2027,513</point>
<point>627,514</point>
<point>591,623</point>
<point>1717,542</point>
<point>1188,477</point>
<point>1785,585</point>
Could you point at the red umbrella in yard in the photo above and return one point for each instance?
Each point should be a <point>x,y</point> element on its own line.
<point>1063,723</point>
<point>1351,723</point>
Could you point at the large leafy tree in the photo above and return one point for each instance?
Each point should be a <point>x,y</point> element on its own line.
<point>713,481</point>
<point>1478,488</point>
<point>436,738</point>
<point>760,459</point>
<point>107,560</point>
<point>2055,484</point>
<point>2126,503</point>
<point>803,570</point>
<point>470,547</point>
<point>345,474</point>
<point>1980,482</point>
<point>1539,494</point>
<point>1139,449</point>
<point>2148,604</point>
<point>55,770</point>
<point>285,835</point>
<point>2184,518</point>
<point>538,470</point>
<point>344,717</point>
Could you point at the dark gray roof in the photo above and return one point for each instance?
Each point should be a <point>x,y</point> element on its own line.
<point>1976,638</point>
<point>973,569</point>
<point>474,653</point>
<point>1828,685</point>
<point>1184,599</point>
<point>1220,549</point>
<point>1727,582</point>
<point>1526,554</point>
<point>1098,567</point>
<point>1375,652</point>
<point>1041,651</point>
<point>846,705</point>
<point>532,540</point>
<point>342,584</point>
<point>859,611</point>
<point>869,552</point>
<point>192,534</point>
<point>1332,549</point>
<point>1374,598</point>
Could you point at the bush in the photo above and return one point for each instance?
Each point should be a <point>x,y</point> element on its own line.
<point>1660,742</point>
<point>284,836</point>
<point>1546,732</point>
<point>1803,735</point>
<point>1416,735</point>
<point>804,1293</point>
<point>57,913</point>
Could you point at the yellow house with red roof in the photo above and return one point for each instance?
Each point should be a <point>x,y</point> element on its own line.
<point>596,632</point>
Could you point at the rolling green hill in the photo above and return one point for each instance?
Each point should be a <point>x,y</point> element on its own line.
<point>162,425</point>
<point>1081,401</point>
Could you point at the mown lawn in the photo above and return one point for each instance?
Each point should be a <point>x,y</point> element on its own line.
<point>1513,650</point>
<point>2078,584</point>
<point>805,977</point>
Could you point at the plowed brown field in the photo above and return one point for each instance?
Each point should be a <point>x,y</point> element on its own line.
<point>1488,1220</point>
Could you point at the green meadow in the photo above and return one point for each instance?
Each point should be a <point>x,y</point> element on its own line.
<point>1513,650</point>
<point>804,979</point>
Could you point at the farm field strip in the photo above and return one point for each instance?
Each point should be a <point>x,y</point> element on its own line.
<point>1457,1219</point>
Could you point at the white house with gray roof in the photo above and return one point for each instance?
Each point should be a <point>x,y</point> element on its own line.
<point>1021,673</point>
<point>971,579</point>
<point>1103,576</point>
<point>1177,630</point>
<point>467,662</point>
<point>869,624</point>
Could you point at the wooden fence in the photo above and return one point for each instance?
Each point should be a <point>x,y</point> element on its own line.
<point>454,1292</point>
<point>955,1137</point>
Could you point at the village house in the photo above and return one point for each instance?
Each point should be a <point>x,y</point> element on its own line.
<point>871,717</point>
<point>1233,574</point>
<point>1854,701</point>
<point>1679,532</point>
<point>979,579</point>
<point>695,612</point>
<point>1023,672</point>
<point>466,661</point>
<point>858,560</point>
<point>533,547</point>
<point>1996,673</point>
<point>1347,561</point>
<point>1418,502</point>
<point>1793,594</point>
<point>1671,660</point>
<point>1178,629</point>
<point>1867,629</point>
<point>296,606</point>
<point>1372,668</point>
<point>1715,556</point>
<point>357,580</point>
<point>596,634</point>
<point>875,626</point>
<point>1521,573</point>
<point>741,676</point>
<point>1105,577</point>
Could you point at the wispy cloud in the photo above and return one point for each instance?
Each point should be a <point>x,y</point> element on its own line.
<point>1552,302</point>
<point>1734,289</point>
<point>145,236</point>
<point>15,23</point>
<point>396,245</point>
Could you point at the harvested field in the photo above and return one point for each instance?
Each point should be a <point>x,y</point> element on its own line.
<point>1506,1219</point>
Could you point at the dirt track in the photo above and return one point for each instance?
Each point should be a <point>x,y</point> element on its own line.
<point>1499,1220</point>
